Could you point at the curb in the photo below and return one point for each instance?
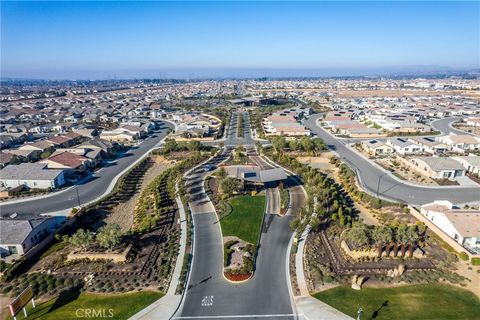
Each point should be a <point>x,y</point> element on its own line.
<point>182,301</point>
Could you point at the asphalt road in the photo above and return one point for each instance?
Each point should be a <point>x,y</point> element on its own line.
<point>209,294</point>
<point>88,190</point>
<point>444,126</point>
<point>232,138</point>
<point>374,179</point>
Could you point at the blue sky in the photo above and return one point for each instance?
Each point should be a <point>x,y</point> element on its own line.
<point>87,40</point>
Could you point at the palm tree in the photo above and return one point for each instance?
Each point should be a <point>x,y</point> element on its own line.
<point>401,238</point>
<point>382,235</point>
<point>413,238</point>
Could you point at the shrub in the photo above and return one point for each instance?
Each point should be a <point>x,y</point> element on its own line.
<point>476,261</point>
<point>463,256</point>
<point>6,289</point>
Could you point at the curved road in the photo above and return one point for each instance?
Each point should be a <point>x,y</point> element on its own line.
<point>445,126</point>
<point>87,191</point>
<point>380,182</point>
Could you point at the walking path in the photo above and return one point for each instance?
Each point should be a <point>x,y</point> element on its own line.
<point>308,306</point>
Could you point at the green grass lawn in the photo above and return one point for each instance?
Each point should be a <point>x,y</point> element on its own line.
<point>73,305</point>
<point>246,218</point>
<point>433,301</point>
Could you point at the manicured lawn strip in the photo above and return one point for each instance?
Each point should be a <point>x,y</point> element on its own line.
<point>429,301</point>
<point>246,218</point>
<point>66,305</point>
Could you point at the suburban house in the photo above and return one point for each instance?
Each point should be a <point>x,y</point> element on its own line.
<point>358,131</point>
<point>461,142</point>
<point>439,167</point>
<point>72,163</point>
<point>18,236</point>
<point>107,148</point>
<point>120,137</point>
<point>377,148</point>
<point>403,146</point>
<point>31,175</point>
<point>285,123</point>
<point>473,122</point>
<point>461,225</point>
<point>6,158</point>
<point>430,145</point>
<point>470,163</point>
<point>41,146</point>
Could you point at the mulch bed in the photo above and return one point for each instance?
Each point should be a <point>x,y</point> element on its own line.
<point>237,277</point>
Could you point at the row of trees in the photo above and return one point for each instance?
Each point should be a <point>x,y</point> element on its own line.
<point>305,144</point>
<point>159,196</point>
<point>171,145</point>
<point>107,237</point>
<point>348,178</point>
<point>240,126</point>
<point>332,203</point>
<point>360,235</point>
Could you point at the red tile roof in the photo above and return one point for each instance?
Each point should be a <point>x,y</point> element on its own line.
<point>68,159</point>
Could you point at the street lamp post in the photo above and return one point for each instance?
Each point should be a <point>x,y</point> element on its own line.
<point>359,313</point>
<point>78,196</point>
<point>378,185</point>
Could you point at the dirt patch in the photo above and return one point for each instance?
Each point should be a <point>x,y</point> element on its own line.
<point>470,129</point>
<point>321,162</point>
<point>465,268</point>
<point>123,213</point>
<point>405,173</point>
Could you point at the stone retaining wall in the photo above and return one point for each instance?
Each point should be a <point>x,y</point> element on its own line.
<point>117,257</point>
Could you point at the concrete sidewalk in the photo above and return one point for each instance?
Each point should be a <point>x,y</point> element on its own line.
<point>310,308</point>
<point>307,306</point>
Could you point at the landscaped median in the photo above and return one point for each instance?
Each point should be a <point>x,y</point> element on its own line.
<point>428,301</point>
<point>241,232</point>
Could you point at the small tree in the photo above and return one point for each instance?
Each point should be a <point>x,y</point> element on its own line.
<point>230,186</point>
<point>109,236</point>
<point>170,145</point>
<point>222,173</point>
<point>382,235</point>
<point>413,237</point>
<point>194,145</point>
<point>81,239</point>
<point>358,235</point>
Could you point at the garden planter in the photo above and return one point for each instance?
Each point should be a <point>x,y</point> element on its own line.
<point>237,277</point>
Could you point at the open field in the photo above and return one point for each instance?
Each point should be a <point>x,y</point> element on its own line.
<point>433,301</point>
<point>72,305</point>
<point>246,218</point>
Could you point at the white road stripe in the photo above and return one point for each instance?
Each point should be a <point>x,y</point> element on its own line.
<point>243,316</point>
